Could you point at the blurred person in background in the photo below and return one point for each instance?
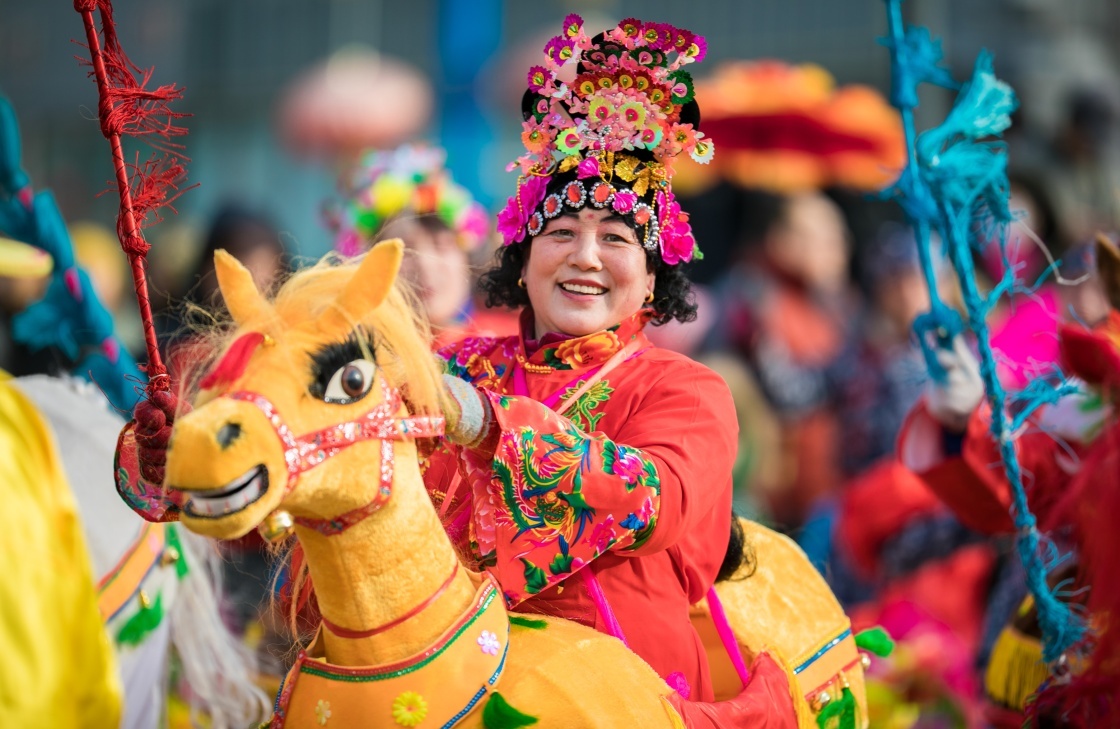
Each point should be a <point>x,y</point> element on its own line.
<point>97,251</point>
<point>787,308</point>
<point>407,193</point>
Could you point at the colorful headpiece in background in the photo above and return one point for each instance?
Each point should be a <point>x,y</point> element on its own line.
<point>789,129</point>
<point>69,317</point>
<point>410,180</point>
<point>619,126</point>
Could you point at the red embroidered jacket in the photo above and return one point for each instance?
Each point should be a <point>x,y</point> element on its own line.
<point>634,484</point>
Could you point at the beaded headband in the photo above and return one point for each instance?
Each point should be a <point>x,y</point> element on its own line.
<point>410,179</point>
<point>619,127</point>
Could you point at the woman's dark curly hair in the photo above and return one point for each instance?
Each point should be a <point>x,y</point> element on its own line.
<point>672,291</point>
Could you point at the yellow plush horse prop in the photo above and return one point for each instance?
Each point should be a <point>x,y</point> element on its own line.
<point>310,417</point>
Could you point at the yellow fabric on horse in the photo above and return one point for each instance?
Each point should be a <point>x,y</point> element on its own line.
<point>58,668</point>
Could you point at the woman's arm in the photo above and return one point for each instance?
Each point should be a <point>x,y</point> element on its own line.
<point>548,498</point>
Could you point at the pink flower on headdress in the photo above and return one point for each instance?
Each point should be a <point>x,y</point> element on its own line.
<point>588,168</point>
<point>538,77</point>
<point>349,242</point>
<point>572,25</point>
<point>682,138</point>
<point>631,27</point>
<point>473,224</point>
<point>558,50</point>
<point>513,217</point>
<point>698,49</point>
<point>677,242</point>
<point>682,39</point>
<point>624,201</point>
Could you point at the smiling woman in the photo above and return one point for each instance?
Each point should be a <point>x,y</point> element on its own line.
<point>589,470</point>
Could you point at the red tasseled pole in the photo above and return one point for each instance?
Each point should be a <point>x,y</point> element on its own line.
<point>126,107</point>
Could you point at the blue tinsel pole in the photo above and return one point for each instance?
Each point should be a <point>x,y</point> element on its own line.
<point>955,177</point>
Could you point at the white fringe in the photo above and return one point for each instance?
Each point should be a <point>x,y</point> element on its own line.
<point>218,667</point>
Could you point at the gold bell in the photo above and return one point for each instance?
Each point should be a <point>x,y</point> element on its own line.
<point>145,601</point>
<point>276,526</point>
<point>865,661</point>
<point>170,556</point>
<point>821,700</point>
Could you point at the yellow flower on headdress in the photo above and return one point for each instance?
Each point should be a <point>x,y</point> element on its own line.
<point>409,709</point>
<point>568,141</point>
<point>600,110</point>
<point>390,195</point>
<point>633,113</point>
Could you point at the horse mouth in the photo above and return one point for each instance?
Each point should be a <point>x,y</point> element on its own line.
<point>235,496</point>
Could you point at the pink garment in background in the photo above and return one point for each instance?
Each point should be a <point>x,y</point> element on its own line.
<point>1026,342</point>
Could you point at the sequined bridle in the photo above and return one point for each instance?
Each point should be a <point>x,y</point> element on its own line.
<point>304,452</point>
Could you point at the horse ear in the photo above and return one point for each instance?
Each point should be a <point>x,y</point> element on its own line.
<point>370,285</point>
<point>239,291</point>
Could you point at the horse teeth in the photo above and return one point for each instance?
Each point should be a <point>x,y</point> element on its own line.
<point>232,498</point>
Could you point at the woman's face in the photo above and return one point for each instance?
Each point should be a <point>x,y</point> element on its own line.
<point>585,272</point>
<point>436,266</point>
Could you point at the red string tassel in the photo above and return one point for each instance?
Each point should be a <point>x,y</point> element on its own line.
<point>126,107</point>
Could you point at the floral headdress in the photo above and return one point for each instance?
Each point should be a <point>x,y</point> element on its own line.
<point>620,126</point>
<point>410,179</point>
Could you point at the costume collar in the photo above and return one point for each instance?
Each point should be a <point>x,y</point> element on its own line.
<point>561,352</point>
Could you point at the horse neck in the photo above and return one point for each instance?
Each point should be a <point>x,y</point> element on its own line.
<point>381,569</point>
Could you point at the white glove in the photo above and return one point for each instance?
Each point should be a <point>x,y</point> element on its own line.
<point>953,400</point>
<point>470,415</point>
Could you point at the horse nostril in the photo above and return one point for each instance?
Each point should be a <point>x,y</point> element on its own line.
<point>228,434</point>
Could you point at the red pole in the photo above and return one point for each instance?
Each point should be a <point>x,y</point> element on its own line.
<point>157,373</point>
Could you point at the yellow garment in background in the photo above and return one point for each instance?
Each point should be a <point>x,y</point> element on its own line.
<point>56,662</point>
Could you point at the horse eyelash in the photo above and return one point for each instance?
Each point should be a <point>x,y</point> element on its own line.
<point>332,357</point>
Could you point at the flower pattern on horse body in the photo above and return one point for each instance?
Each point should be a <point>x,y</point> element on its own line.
<point>322,712</point>
<point>409,709</point>
<point>489,644</point>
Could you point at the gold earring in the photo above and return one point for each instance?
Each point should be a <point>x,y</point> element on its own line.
<point>520,283</point>
<point>649,298</point>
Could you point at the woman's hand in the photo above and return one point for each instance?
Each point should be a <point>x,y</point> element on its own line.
<point>470,415</point>
<point>952,400</point>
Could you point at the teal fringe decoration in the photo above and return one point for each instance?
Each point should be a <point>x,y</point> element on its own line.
<point>69,317</point>
<point>956,183</point>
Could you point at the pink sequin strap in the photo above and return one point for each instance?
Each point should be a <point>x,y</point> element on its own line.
<point>304,452</point>
<point>591,582</point>
<point>727,636</point>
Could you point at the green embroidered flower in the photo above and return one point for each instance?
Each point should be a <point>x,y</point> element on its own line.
<point>409,709</point>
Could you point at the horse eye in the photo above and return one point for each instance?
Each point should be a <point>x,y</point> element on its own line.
<point>350,382</point>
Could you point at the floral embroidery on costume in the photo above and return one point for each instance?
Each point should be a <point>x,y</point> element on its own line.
<point>582,412</point>
<point>550,480</point>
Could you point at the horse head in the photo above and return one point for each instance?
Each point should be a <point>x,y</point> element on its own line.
<point>304,409</point>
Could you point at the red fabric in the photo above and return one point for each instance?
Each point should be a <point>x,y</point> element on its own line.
<point>765,703</point>
<point>974,486</point>
<point>234,361</point>
<point>679,416</point>
<point>1092,354</point>
<point>876,506</point>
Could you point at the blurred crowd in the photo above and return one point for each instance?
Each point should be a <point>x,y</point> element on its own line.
<point>807,292</point>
